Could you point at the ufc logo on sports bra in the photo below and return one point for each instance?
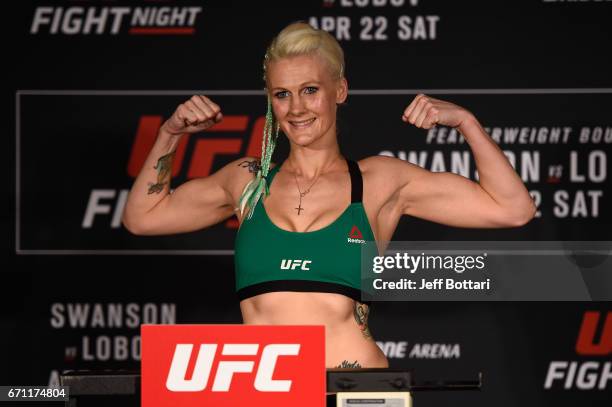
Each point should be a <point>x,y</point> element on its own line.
<point>225,369</point>
<point>232,365</point>
<point>287,264</point>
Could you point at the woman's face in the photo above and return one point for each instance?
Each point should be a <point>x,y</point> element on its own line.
<point>304,96</point>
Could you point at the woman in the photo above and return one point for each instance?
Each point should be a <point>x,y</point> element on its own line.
<point>294,262</point>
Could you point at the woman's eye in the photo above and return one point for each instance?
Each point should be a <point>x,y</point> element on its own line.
<point>281,94</point>
<point>310,89</point>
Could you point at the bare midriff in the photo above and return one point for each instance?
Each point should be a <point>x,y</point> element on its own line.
<point>346,340</point>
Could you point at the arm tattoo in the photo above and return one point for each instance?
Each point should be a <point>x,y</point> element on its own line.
<point>253,166</point>
<point>361,312</point>
<point>164,170</point>
<point>349,365</point>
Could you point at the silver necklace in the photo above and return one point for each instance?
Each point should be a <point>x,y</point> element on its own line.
<point>303,194</point>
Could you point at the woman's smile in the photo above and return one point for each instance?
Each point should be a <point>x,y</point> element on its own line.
<point>302,124</point>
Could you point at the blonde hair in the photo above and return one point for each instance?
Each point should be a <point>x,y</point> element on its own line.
<point>302,39</point>
<point>294,40</point>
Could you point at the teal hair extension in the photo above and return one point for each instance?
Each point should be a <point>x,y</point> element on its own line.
<point>259,185</point>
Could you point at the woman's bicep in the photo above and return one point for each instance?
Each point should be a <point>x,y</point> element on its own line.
<point>451,199</point>
<point>193,205</point>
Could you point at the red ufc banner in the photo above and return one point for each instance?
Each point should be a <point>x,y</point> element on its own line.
<point>586,344</point>
<point>233,365</point>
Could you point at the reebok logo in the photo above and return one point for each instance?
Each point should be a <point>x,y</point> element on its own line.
<point>355,236</point>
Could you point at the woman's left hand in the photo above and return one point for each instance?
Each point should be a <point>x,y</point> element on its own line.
<point>425,112</point>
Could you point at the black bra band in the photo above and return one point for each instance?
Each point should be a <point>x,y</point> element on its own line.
<point>300,286</point>
<point>356,181</point>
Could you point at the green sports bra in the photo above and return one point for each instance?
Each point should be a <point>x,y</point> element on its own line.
<point>268,258</point>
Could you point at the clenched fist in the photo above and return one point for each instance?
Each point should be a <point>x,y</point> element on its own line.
<point>425,112</point>
<point>195,115</point>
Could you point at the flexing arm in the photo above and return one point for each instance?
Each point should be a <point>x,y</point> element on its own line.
<point>499,199</point>
<point>151,209</point>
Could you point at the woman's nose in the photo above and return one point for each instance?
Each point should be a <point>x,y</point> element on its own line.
<point>296,105</point>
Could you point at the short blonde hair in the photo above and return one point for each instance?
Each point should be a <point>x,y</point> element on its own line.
<point>302,39</point>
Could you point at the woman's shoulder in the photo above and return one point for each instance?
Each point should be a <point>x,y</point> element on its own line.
<point>237,173</point>
<point>247,165</point>
<point>381,165</point>
<point>383,175</point>
<point>241,171</point>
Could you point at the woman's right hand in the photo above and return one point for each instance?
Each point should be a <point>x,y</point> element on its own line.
<point>195,115</point>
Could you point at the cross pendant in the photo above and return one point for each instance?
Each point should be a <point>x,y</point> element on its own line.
<point>299,208</point>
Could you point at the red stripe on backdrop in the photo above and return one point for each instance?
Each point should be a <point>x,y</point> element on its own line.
<point>161,31</point>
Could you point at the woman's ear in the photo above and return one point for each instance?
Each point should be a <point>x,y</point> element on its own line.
<point>341,91</point>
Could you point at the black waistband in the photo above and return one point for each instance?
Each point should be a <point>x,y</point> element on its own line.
<point>299,286</point>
